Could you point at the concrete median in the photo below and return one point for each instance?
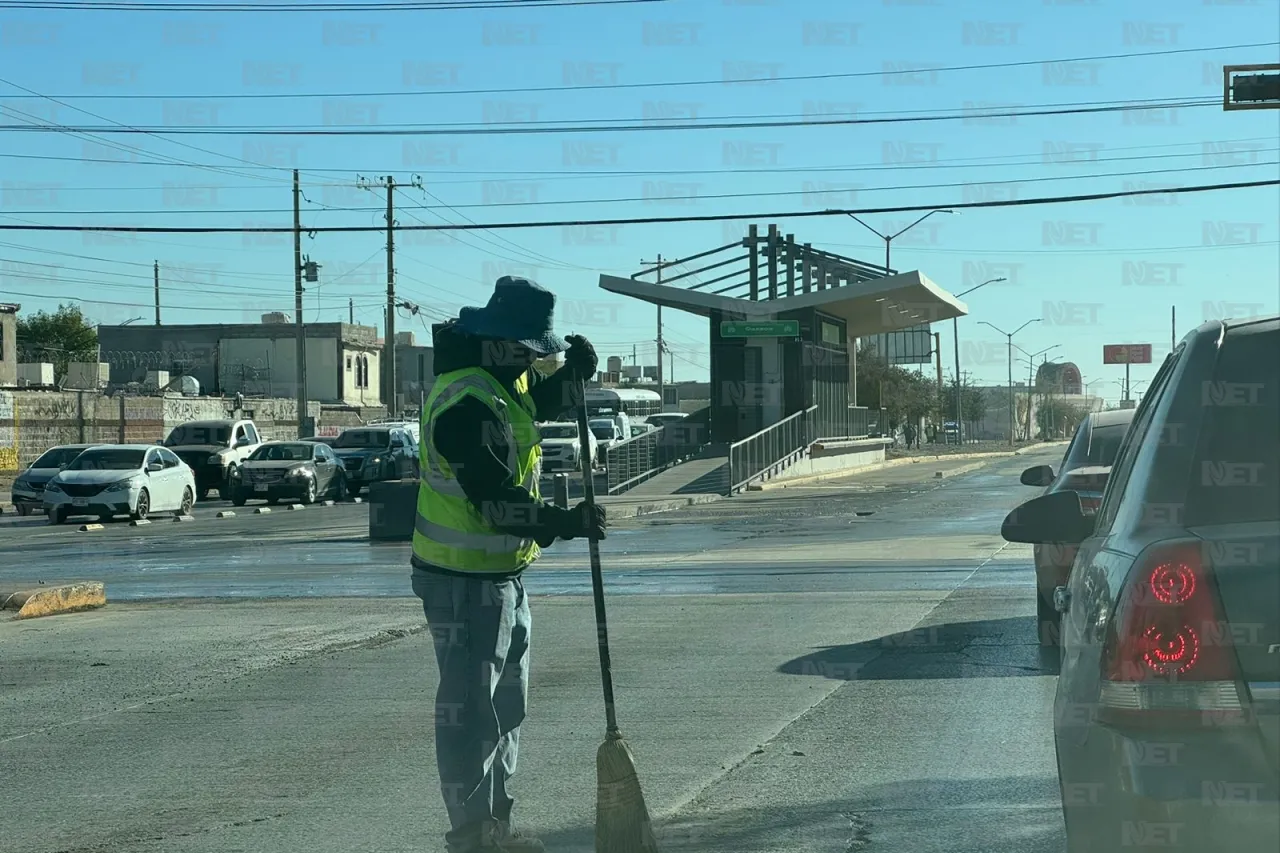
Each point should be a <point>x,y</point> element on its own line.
<point>984,457</point>
<point>35,601</point>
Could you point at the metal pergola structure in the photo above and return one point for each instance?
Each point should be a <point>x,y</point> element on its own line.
<point>762,268</point>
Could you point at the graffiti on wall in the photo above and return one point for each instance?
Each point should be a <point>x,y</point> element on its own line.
<point>8,432</point>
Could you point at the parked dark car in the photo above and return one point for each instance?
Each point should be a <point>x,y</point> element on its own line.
<point>1167,714</point>
<point>1084,470</point>
<point>370,454</point>
<point>304,471</point>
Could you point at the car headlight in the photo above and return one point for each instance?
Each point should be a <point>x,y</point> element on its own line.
<point>215,459</point>
<point>298,473</point>
<point>52,487</point>
<point>122,485</point>
<point>374,460</point>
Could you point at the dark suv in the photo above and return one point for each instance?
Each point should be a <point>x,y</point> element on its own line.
<point>1084,470</point>
<point>1167,715</point>
<point>373,453</point>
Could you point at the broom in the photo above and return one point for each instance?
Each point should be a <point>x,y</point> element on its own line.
<point>622,819</point>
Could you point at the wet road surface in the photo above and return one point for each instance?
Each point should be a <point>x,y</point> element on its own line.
<point>848,683</point>
<point>804,539</point>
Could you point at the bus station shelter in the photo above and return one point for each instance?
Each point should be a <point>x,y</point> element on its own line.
<point>785,318</point>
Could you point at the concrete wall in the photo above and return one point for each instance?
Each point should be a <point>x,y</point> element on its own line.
<point>33,421</point>
<point>269,366</point>
<point>255,359</point>
<point>835,458</point>
<point>8,348</point>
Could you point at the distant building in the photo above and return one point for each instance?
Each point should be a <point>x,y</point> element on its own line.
<point>415,370</point>
<point>254,359</point>
<point>8,344</point>
<point>1059,377</point>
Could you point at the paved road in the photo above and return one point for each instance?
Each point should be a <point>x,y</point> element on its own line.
<point>791,675</point>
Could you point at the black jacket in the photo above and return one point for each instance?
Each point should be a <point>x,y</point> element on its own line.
<point>464,436</point>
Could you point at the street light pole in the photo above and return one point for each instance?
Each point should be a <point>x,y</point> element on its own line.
<point>1009,340</point>
<point>955,340</point>
<point>1031,365</point>
<point>889,238</point>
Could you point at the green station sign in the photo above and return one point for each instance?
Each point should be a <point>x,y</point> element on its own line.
<point>760,329</point>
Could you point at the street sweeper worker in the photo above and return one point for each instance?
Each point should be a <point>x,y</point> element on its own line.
<point>480,523</point>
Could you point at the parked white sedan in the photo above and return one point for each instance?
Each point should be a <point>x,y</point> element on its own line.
<point>118,479</point>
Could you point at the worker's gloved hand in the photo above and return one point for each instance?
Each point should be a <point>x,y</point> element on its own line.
<point>581,357</point>
<point>583,520</point>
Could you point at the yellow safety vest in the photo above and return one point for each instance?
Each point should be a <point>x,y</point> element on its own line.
<point>449,532</point>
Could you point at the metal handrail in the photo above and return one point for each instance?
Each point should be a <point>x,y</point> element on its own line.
<point>634,460</point>
<point>752,456</point>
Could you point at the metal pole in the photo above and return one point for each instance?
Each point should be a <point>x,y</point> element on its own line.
<point>1173,327</point>
<point>887,241</point>
<point>1012,417</point>
<point>301,351</point>
<point>389,349</point>
<point>955,340</point>
<point>156,270</point>
<point>351,312</point>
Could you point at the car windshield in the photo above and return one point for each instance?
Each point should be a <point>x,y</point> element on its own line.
<point>559,431</point>
<point>355,438</point>
<point>193,434</point>
<point>281,453</point>
<point>108,459</point>
<point>57,457</point>
<point>602,429</point>
<point>1098,448</point>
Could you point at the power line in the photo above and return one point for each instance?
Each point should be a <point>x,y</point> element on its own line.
<point>642,199</point>
<point>649,220</point>
<point>993,161</point>
<point>187,145</point>
<point>506,91</point>
<point>432,5</point>
<point>89,301</point>
<point>365,131</point>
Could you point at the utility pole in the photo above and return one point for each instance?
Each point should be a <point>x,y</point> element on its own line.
<point>389,347</point>
<point>351,311</point>
<point>156,270</point>
<point>657,265</point>
<point>301,350</point>
<point>1173,327</point>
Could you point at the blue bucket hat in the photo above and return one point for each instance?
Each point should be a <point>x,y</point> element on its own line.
<point>519,310</point>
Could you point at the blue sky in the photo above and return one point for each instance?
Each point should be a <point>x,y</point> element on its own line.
<point>1096,273</point>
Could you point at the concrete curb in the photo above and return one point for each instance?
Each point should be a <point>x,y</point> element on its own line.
<point>52,600</point>
<point>226,513</point>
<point>184,518</point>
<point>294,507</point>
<point>139,522</point>
<point>85,528</point>
<point>658,505</point>
<point>896,463</point>
<point>262,510</point>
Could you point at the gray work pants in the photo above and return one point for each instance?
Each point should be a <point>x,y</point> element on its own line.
<point>481,633</point>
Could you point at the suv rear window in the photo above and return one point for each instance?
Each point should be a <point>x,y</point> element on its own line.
<point>1096,447</point>
<point>1236,477</point>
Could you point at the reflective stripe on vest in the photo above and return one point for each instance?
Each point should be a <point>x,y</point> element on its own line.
<point>449,531</point>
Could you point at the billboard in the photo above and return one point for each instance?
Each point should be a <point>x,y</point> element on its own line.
<point>1126,354</point>
<point>913,345</point>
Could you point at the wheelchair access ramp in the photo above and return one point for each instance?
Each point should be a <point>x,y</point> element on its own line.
<point>697,476</point>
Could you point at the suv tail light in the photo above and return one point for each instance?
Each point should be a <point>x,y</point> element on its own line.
<point>1169,649</point>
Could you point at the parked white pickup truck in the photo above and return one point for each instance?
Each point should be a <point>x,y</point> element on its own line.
<point>214,450</point>
<point>562,448</point>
